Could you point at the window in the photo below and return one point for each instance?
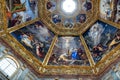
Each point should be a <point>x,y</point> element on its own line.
<point>8,66</point>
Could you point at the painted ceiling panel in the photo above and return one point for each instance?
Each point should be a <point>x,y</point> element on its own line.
<point>101,38</point>
<point>36,38</point>
<point>20,11</point>
<point>68,50</point>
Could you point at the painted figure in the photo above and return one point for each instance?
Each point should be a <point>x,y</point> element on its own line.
<point>106,9</point>
<point>51,6</point>
<point>117,18</point>
<point>95,33</point>
<point>26,40</point>
<point>33,4</point>
<point>115,41</point>
<point>87,5</point>
<point>56,18</point>
<point>39,50</point>
<point>68,23</point>
<point>81,18</point>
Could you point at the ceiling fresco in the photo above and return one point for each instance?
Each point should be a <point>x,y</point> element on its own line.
<point>36,38</point>
<point>61,37</point>
<point>68,50</point>
<point>19,11</point>
<point>110,10</point>
<point>101,38</point>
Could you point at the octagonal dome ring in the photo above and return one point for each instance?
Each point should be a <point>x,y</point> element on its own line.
<point>66,13</point>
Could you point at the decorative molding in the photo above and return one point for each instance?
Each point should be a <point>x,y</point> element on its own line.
<point>12,29</point>
<point>2,19</point>
<point>50,51</point>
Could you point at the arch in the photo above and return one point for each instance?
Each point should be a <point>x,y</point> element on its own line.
<point>9,65</point>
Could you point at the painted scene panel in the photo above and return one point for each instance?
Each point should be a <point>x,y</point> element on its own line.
<point>68,50</point>
<point>101,38</point>
<point>19,11</point>
<point>110,10</point>
<point>36,38</point>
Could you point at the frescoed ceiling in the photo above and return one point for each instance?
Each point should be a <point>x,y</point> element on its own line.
<point>63,37</point>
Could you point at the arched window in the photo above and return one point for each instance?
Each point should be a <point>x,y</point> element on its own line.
<point>8,66</point>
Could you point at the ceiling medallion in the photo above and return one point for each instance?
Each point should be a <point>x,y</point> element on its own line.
<point>68,12</point>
